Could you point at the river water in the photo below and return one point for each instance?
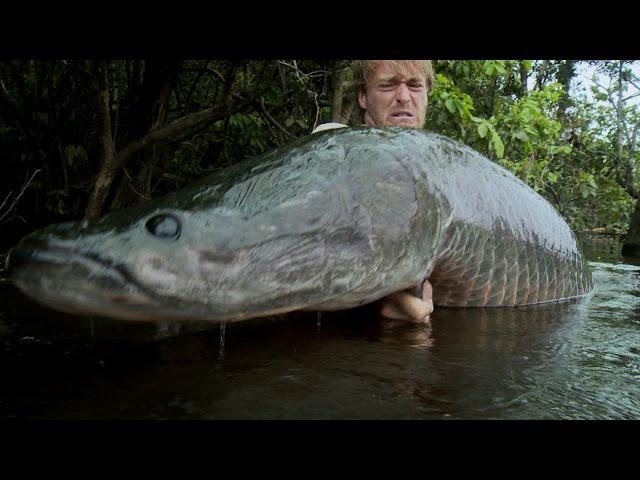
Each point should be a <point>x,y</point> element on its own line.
<point>576,360</point>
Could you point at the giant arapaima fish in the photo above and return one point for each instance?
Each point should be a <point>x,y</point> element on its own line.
<point>335,220</point>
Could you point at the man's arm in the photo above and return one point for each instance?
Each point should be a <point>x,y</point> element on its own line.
<point>405,306</point>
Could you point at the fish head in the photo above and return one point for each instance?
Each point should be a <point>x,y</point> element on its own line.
<point>162,263</point>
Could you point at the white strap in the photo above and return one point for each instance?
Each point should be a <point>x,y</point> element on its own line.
<point>328,126</point>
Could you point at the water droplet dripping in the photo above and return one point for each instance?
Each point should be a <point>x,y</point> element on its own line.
<point>223,327</point>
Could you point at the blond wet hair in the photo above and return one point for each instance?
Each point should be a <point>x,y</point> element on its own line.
<point>363,69</point>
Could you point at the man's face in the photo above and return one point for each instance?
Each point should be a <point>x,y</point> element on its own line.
<point>393,99</point>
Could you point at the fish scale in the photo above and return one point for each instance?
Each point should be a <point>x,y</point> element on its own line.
<point>525,274</point>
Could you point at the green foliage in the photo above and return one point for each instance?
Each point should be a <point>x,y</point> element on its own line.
<point>568,155</point>
<point>485,104</point>
<point>532,134</point>
<point>452,115</point>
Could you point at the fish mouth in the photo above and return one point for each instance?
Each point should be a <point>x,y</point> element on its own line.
<point>77,282</point>
<point>85,283</point>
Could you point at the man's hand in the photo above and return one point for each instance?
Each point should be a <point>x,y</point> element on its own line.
<point>404,306</point>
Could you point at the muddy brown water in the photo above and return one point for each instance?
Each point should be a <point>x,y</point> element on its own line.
<point>572,360</point>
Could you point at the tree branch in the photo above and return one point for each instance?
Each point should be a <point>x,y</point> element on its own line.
<point>630,187</point>
<point>193,88</point>
<point>13,106</point>
<point>273,120</point>
<point>109,163</point>
<point>172,129</point>
<point>15,201</point>
<point>634,84</point>
<point>337,97</point>
<point>602,86</point>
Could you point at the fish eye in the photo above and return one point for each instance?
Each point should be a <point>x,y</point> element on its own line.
<point>164,226</point>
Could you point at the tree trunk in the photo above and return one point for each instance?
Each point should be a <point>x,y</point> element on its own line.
<point>631,245</point>
<point>542,75</point>
<point>174,129</point>
<point>337,96</point>
<point>109,165</point>
<point>348,109</point>
<point>619,118</point>
<point>156,92</point>
<point>149,113</point>
<point>566,72</point>
<point>524,76</point>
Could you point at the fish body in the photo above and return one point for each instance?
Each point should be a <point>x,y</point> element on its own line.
<point>332,221</point>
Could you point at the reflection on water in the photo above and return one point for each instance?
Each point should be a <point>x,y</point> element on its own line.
<point>601,248</point>
<point>568,360</point>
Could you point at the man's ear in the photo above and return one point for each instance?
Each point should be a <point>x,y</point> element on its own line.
<point>362,99</point>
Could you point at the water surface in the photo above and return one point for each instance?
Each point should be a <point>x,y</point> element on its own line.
<point>575,360</point>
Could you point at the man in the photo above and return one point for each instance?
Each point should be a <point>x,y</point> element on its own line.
<point>395,93</point>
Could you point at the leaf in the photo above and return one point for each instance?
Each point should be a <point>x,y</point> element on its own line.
<point>522,136</point>
<point>526,114</point>
<point>497,144</point>
<point>559,149</point>
<point>81,153</point>
<point>449,103</point>
<point>489,68</point>
<point>69,153</point>
<point>482,130</point>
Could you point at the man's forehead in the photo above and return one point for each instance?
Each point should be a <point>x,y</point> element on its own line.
<point>394,71</point>
<point>399,77</point>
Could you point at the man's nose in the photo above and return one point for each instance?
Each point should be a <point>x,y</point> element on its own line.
<point>402,94</point>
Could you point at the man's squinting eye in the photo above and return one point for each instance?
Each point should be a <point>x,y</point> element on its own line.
<point>416,86</point>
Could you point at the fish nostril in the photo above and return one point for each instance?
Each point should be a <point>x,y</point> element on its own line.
<point>164,226</point>
<point>16,258</point>
<point>156,263</point>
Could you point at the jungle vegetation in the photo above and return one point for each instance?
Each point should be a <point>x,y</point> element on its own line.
<point>82,137</point>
